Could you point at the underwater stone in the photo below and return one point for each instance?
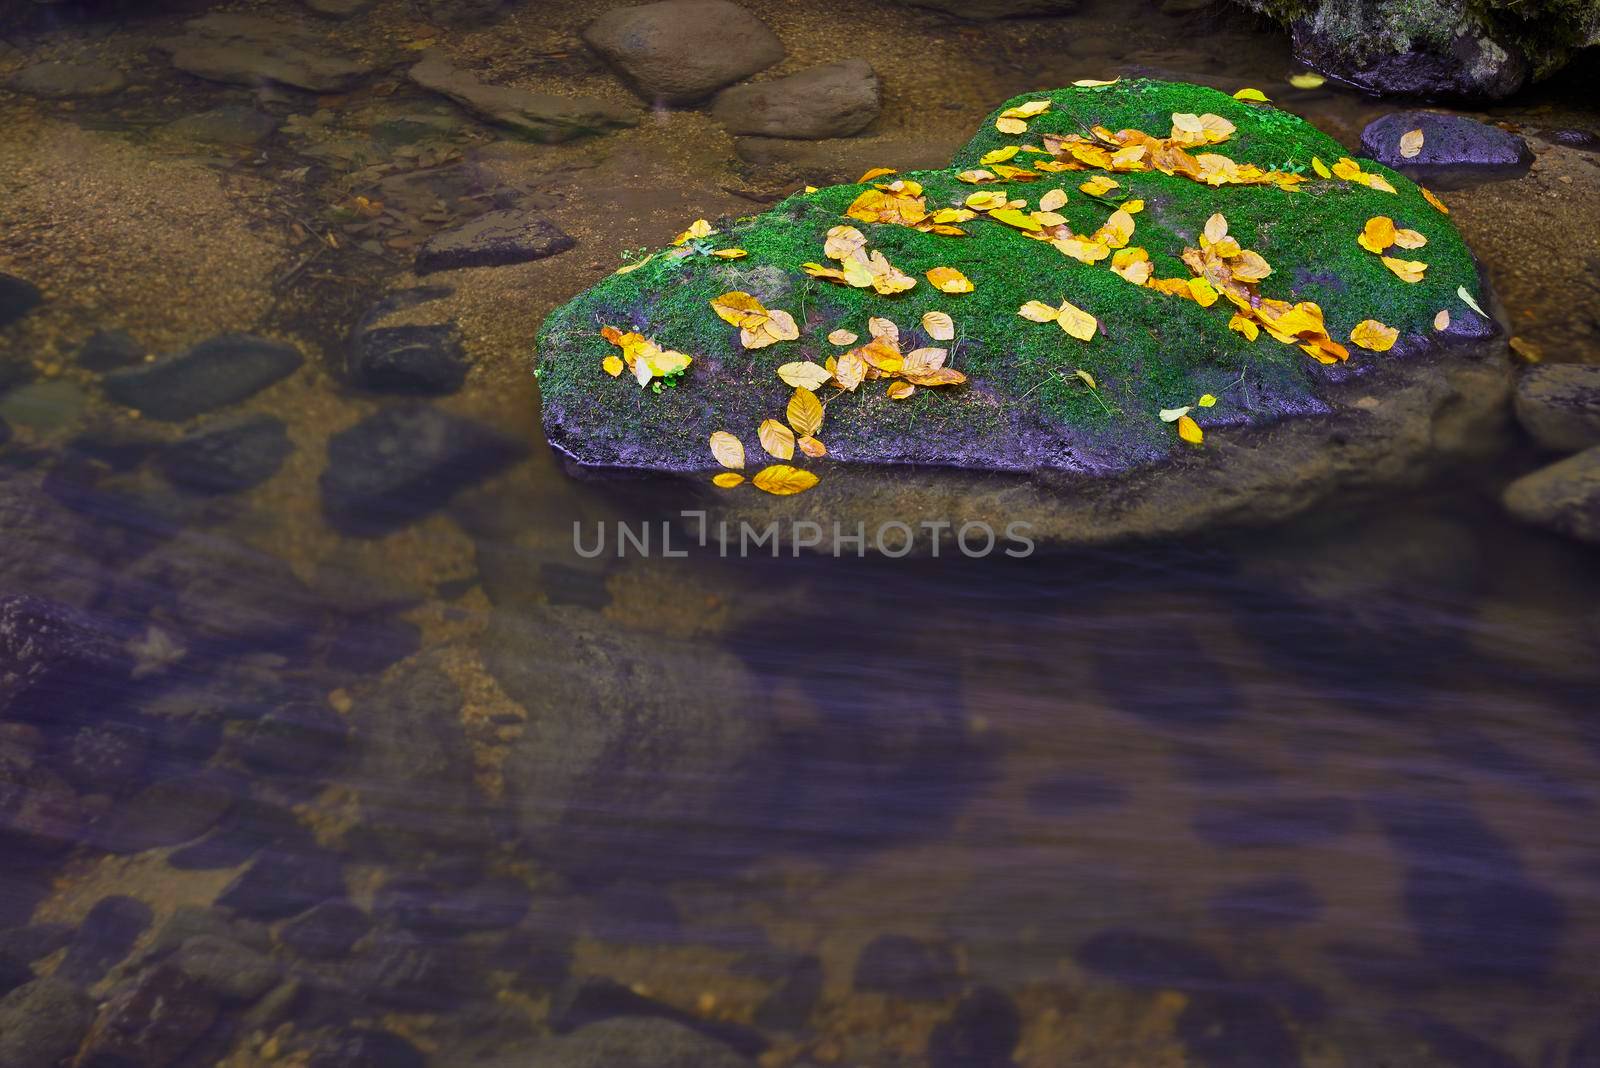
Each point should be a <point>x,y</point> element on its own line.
<point>57,80</point>
<point>409,359</point>
<point>213,374</point>
<point>228,457</point>
<point>107,350</point>
<point>1559,405</point>
<point>538,116</point>
<point>494,239</point>
<point>248,50</point>
<point>1564,497</point>
<point>18,297</point>
<point>680,51</point>
<point>831,100</point>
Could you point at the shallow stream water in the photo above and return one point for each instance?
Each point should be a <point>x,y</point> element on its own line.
<point>1323,794</point>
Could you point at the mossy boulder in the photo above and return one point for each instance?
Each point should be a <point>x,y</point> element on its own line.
<point>1437,49</point>
<point>1024,407</point>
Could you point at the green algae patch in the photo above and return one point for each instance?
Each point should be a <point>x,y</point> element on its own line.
<point>1034,398</point>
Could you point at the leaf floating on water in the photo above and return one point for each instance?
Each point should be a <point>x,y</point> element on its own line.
<point>842,337</point>
<point>1411,144</point>
<point>939,325</point>
<point>613,365</point>
<point>949,280</point>
<point>801,373</point>
<point>804,412</point>
<point>1466,298</point>
<point>727,479</point>
<point>1254,96</point>
<point>728,450</point>
<point>812,447</point>
<point>776,438</point>
<point>1442,320</point>
<point>1526,351</point>
<point>1307,80</point>
<point>781,480</point>
<point>1374,336</point>
<point>1190,431</point>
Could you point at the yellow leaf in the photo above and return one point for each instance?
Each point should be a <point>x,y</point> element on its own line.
<point>1442,320</point>
<point>939,325</point>
<point>1216,228</point>
<point>1377,235</point>
<point>1077,322</point>
<point>1010,126</point>
<point>949,280</point>
<point>1247,327</point>
<point>1379,182</point>
<point>1099,186</point>
<point>812,447</point>
<point>698,228</point>
<point>842,241</point>
<point>1172,415</point>
<point>1409,239</point>
<point>804,412</point>
<point>1320,168</point>
<point>1411,144</point>
<point>1092,83</point>
<point>1086,378</point>
<point>1038,311</point>
<point>656,363</point>
<point>1253,95</point>
<point>1406,270</point>
<point>919,362</point>
<point>781,480</point>
<point>776,438</point>
<point>1028,110</point>
<point>728,449</point>
<point>730,253</point>
<point>1013,217</point>
<point>1307,80</point>
<point>876,172</point>
<point>849,371</point>
<point>976,177</point>
<point>1526,351</point>
<point>999,155</point>
<point>842,337</point>
<point>634,266</point>
<point>1374,336</point>
<point>1205,294</point>
<point>900,390</point>
<point>1190,431</point>
<point>727,479</point>
<point>986,200</point>
<point>1431,199</point>
<point>1133,207</point>
<point>1053,200</point>
<point>735,307</point>
<point>613,365</point>
<point>878,326</point>
<point>1206,400</point>
<point>801,373</point>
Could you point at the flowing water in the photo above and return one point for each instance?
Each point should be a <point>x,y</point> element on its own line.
<point>1323,794</point>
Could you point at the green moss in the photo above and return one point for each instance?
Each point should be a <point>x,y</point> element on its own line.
<point>1155,351</point>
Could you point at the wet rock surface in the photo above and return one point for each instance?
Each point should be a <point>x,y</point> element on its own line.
<point>832,100</point>
<point>1559,406</point>
<point>59,80</point>
<point>104,938</point>
<point>538,116</point>
<point>18,297</point>
<point>249,50</point>
<point>233,125</point>
<point>42,1022</point>
<point>494,239</point>
<point>150,1021</point>
<point>1452,145</point>
<point>212,374</point>
<point>107,350</point>
<point>231,456</point>
<point>398,465</point>
<point>1564,497</point>
<point>409,359</point>
<point>996,9</point>
<point>681,51</point>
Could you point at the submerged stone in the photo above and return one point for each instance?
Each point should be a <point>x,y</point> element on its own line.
<point>1559,405</point>
<point>1564,497</point>
<point>494,239</point>
<point>18,297</point>
<point>537,116</point>
<point>58,80</point>
<point>1101,462</point>
<point>249,50</point>
<point>831,100</point>
<point>215,373</point>
<point>680,51</point>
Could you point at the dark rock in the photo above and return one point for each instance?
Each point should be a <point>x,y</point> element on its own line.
<point>104,938</point>
<point>904,967</point>
<point>367,1049</point>
<point>1150,962</point>
<point>582,1005</point>
<point>230,456</point>
<point>403,970</point>
<point>409,359</point>
<point>1451,144</point>
<point>984,10</point>
<point>326,931</point>
<point>681,51</point>
<point>301,738</point>
<point>1269,902</point>
<point>232,125</point>
<point>1274,824</point>
<point>1585,1050</point>
<point>491,905</point>
<point>409,731</point>
<point>982,1032</point>
<point>1067,794</point>
<point>247,50</point>
<point>234,973</point>
<point>18,297</point>
<point>541,117</point>
<point>367,646</point>
<point>5,432</point>
<point>53,657</point>
<point>339,9</point>
<point>1455,1047</point>
<point>1558,405</point>
<point>634,913</point>
<point>15,372</point>
<point>403,462</point>
<point>42,1022</point>
<point>167,813</point>
<point>632,747</point>
<point>282,882</point>
<point>1564,497</point>
<point>627,1043</point>
<point>1584,139</point>
<point>39,813</point>
<point>461,12</point>
<point>187,922</point>
<point>215,373</point>
<point>249,827</point>
<point>107,350</point>
<point>831,100</point>
<point>493,239</point>
<point>57,80</point>
<point>149,1021</point>
<point>28,944</point>
<point>1236,1031</point>
<point>1168,679</point>
<point>789,1006</point>
<point>221,593</point>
